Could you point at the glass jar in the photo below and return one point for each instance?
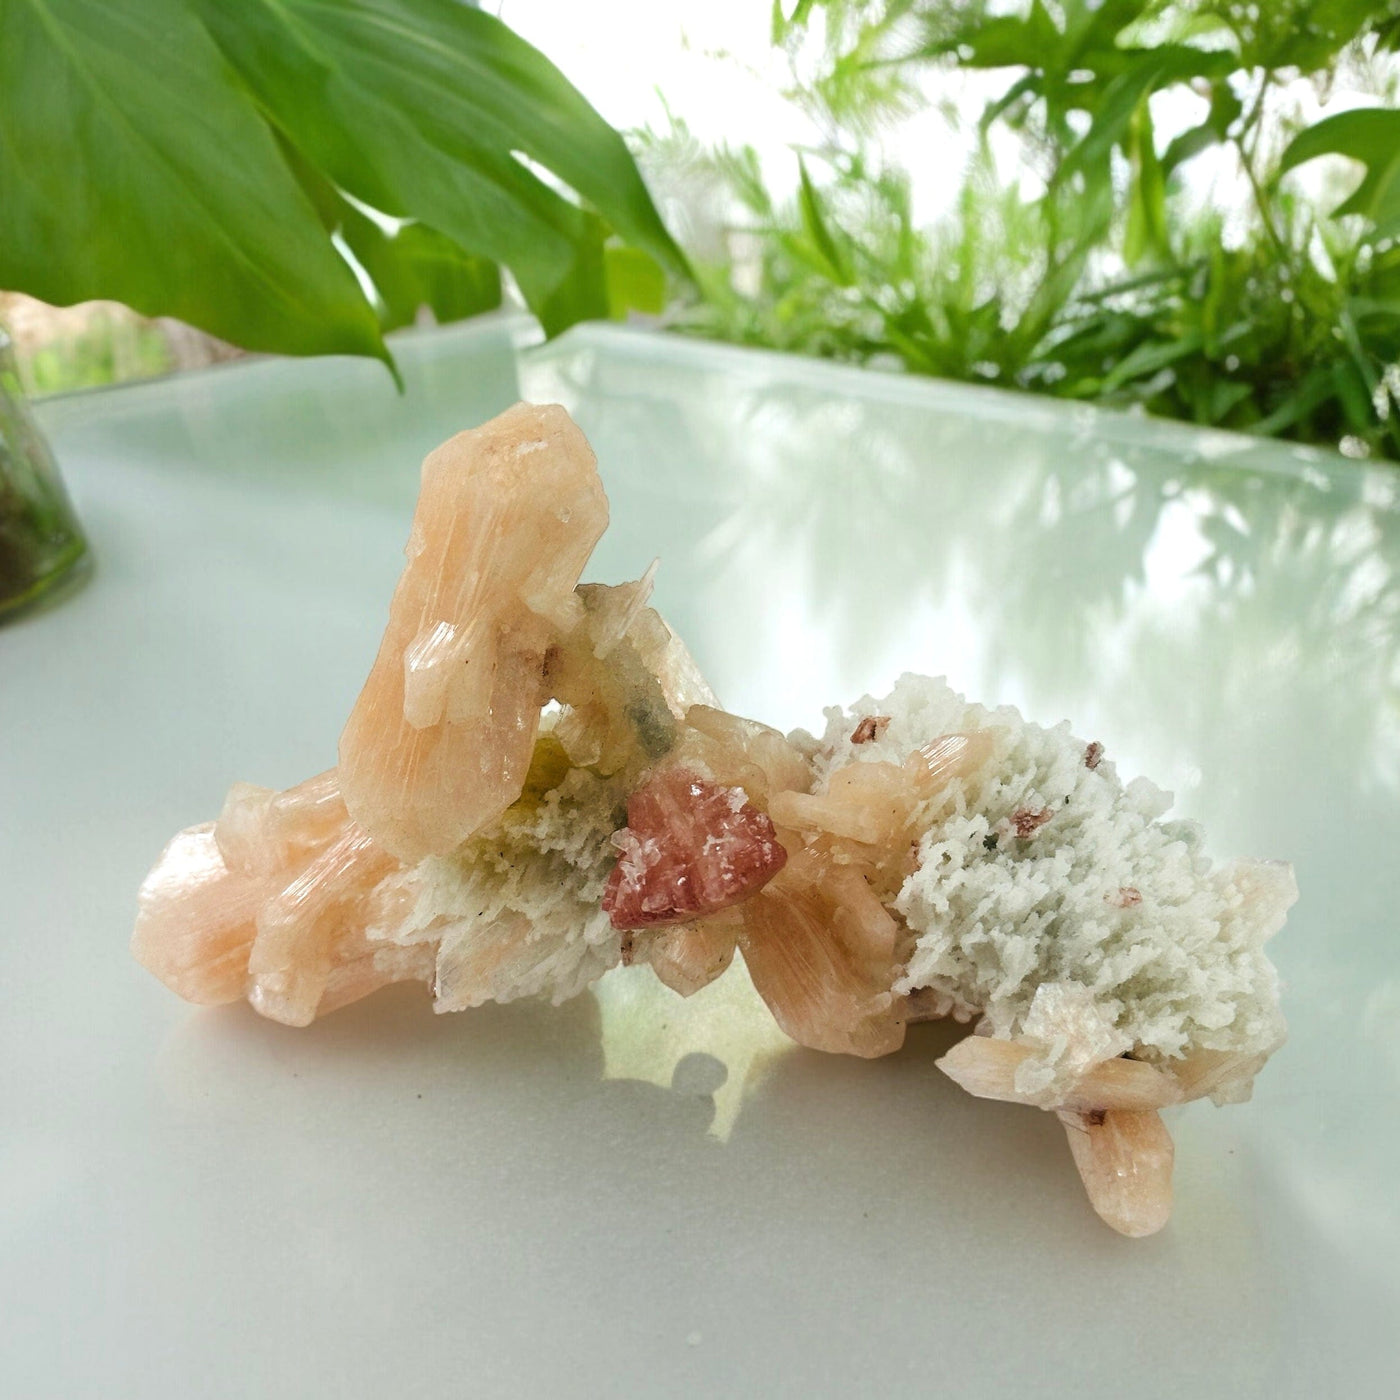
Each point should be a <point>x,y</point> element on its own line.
<point>42,548</point>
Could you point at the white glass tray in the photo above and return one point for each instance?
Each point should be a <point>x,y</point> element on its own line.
<point>635,1195</point>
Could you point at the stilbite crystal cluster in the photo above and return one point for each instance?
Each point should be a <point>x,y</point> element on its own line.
<point>536,784</point>
<point>440,738</point>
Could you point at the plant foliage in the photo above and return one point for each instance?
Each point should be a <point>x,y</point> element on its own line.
<point>1092,273</point>
<point>203,160</point>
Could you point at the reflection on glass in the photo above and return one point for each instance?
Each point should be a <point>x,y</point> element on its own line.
<point>1223,613</point>
<point>648,1034</point>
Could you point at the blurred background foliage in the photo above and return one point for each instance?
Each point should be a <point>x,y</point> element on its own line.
<point>1127,229</point>
<point>1189,207</point>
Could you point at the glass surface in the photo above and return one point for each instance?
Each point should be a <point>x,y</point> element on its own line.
<point>632,1194</point>
<point>41,546</point>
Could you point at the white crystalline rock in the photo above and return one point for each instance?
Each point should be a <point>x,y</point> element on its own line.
<point>1104,929</point>
<point>516,911</point>
<point>1070,1033</point>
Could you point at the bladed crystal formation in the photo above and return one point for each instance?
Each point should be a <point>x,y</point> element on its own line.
<point>536,784</point>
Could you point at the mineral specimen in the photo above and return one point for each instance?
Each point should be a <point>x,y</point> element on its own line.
<point>536,784</point>
<point>439,741</point>
<point>690,848</point>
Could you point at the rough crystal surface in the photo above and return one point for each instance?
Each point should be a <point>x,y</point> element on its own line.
<point>992,1068</point>
<point>290,962</point>
<point>440,739</point>
<point>690,848</point>
<point>821,948</point>
<point>197,919</point>
<point>1125,1160</point>
<point>261,831</point>
<point>687,957</point>
<point>515,912</point>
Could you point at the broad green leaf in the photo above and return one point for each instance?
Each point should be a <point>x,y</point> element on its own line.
<point>636,281</point>
<point>419,267</point>
<point>424,109</point>
<point>581,294</point>
<point>1370,135</point>
<point>134,167</point>
<point>412,268</point>
<point>1099,24</point>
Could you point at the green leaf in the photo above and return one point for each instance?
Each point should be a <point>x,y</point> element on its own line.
<point>1098,25</point>
<point>1029,83</point>
<point>814,221</point>
<point>580,292</point>
<point>1309,35</point>
<point>419,267</point>
<point>1151,70</point>
<point>1315,389</point>
<point>1364,308</point>
<point>433,111</point>
<point>412,268</point>
<point>1146,231</point>
<point>1225,109</point>
<point>780,26</point>
<point>1354,395</point>
<point>1213,296</point>
<point>135,168</point>
<point>1224,395</point>
<point>636,281</point>
<point>1005,41</point>
<point>1387,32</point>
<point>1370,135</point>
<point>1150,357</point>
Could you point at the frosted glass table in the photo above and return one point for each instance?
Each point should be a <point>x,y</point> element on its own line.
<point>635,1194</point>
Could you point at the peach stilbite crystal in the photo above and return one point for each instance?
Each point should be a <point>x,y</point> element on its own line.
<point>197,919</point>
<point>266,903</point>
<point>291,959</point>
<point>359,968</point>
<point>742,753</point>
<point>820,948</point>
<point>261,830</point>
<point>1125,1161</point>
<point>440,739</point>
<point>869,808</point>
<point>986,1066</point>
<point>687,957</point>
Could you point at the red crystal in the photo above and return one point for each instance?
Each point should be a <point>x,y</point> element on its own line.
<point>690,847</point>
